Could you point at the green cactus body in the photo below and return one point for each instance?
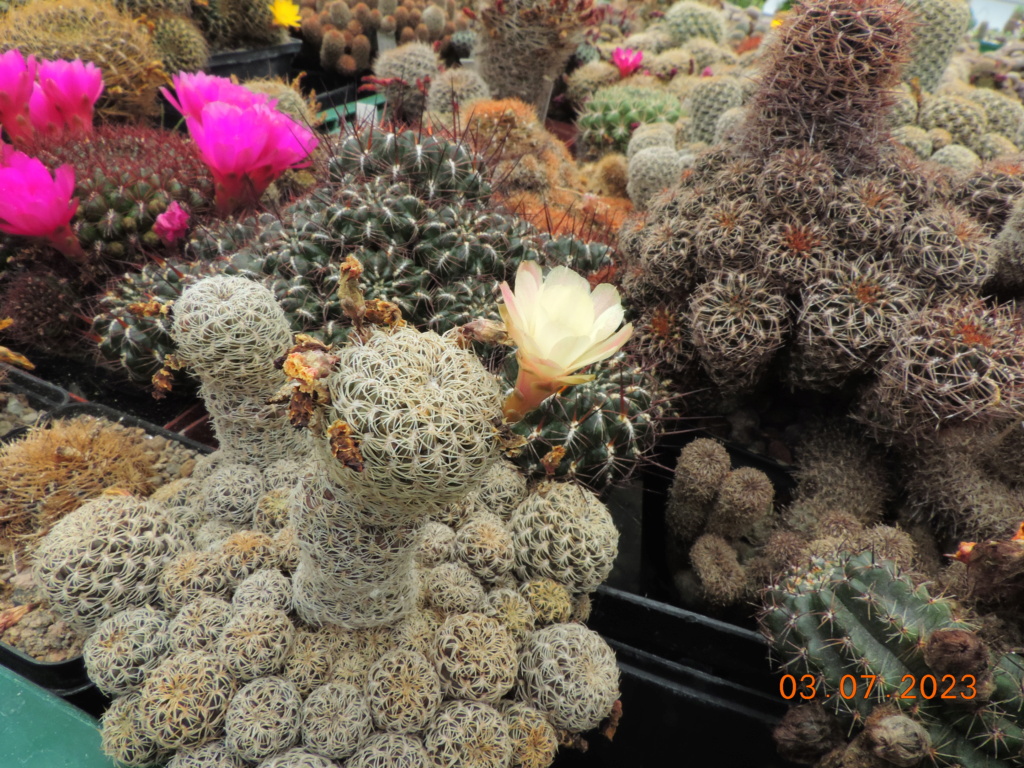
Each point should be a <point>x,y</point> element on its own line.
<point>181,44</point>
<point>609,118</point>
<point>686,20</point>
<point>858,617</point>
<point>940,24</point>
<point>708,100</point>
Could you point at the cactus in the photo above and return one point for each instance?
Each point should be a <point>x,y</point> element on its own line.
<point>609,118</point>
<point>812,100</point>
<point>917,139</point>
<point>964,119</point>
<point>91,31</point>
<point>650,171</point>
<point>525,45</point>
<point>126,176</point>
<point>864,600</point>
<point>125,648</point>
<point>468,734</point>
<point>263,718</point>
<point>708,99</point>
<point>687,19</point>
<point>180,43</point>
<point>938,27</point>
<point>569,673</point>
<point>958,157</point>
<point>335,720</point>
<point>475,657</point>
<point>454,89</point>
<point>410,68</point>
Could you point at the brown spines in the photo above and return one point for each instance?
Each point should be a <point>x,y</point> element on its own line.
<point>827,81</point>
<point>797,183</point>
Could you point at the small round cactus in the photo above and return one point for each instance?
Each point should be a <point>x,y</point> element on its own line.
<point>263,718</point>
<point>232,492</point>
<point>267,588</point>
<point>468,734</point>
<point>125,648</point>
<point>123,738</point>
<point>485,545</point>
<point>198,625</point>
<point>212,754</point>
<point>569,672</point>
<point>390,750</point>
<point>436,546</point>
<point>256,642</point>
<point>452,588</point>
<point>551,602</point>
<point>335,720</point>
<point>475,657</point>
<point>565,533</point>
<point>402,692</point>
<point>534,739</point>
<point>191,576</point>
<point>185,700</point>
<point>311,660</point>
<point>512,610</point>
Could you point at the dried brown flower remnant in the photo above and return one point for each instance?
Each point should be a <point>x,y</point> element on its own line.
<point>52,471</point>
<point>344,447</point>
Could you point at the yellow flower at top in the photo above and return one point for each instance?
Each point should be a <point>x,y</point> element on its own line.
<point>286,13</point>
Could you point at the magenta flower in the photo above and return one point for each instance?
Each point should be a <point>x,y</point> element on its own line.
<point>46,119</point>
<point>171,225</point>
<point>72,88</point>
<point>18,75</point>
<point>246,148</point>
<point>627,60</point>
<point>35,204</point>
<point>193,91</point>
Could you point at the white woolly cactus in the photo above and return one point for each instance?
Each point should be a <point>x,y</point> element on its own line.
<point>325,612</point>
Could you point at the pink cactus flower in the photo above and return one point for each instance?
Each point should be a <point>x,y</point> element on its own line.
<point>34,203</point>
<point>72,88</point>
<point>46,119</point>
<point>193,91</point>
<point>246,148</point>
<point>18,75</point>
<point>627,60</point>
<point>707,72</point>
<point>171,225</point>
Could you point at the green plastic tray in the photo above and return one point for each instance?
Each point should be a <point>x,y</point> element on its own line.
<point>39,730</point>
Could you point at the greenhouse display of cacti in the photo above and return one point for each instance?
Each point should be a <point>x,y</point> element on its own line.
<point>741,288</point>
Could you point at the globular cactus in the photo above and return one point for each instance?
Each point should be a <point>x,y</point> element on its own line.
<point>652,170</point>
<point>569,673</point>
<point>942,247</point>
<point>126,176</point>
<point>955,362</point>
<point>964,119</point>
<point>125,648</point>
<point>180,42</point>
<point>403,692</point>
<point>550,601</point>
<point>707,101</point>
<point>390,749</point>
<point>185,700</point>
<point>687,19</point>
<point>113,549</point>
<point>92,31</point>
<point>475,658</point>
<point>534,739</point>
<point>916,139</point>
<point>828,618</point>
<point>122,737</point>
<point>938,27</point>
<point>263,718</point>
<point>958,157</point>
<point>335,720</point>
<point>410,68</point>
<point>198,625</point>
<point>609,118</point>
<point>255,643</point>
<point>580,541</point>
<point>739,322</point>
<point>469,734</point>
<point>455,89</point>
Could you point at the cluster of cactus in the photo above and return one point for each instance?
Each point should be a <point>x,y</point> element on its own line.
<point>938,29</point>
<point>613,113</point>
<point>714,513</point>
<point>96,31</point>
<point>835,259</point>
<point>415,211</point>
<point>221,641</point>
<point>873,643</point>
<point>339,33</point>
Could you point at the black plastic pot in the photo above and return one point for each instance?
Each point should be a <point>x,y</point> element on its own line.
<point>41,395</point>
<point>260,62</point>
<point>68,679</point>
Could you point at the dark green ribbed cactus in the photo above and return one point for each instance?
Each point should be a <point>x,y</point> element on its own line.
<point>416,212</point>
<point>856,616</point>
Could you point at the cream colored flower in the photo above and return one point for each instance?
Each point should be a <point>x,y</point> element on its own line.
<point>560,326</point>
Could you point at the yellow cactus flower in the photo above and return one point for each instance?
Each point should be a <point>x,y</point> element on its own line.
<point>559,326</point>
<point>286,13</point>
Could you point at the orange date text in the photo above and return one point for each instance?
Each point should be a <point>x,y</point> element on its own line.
<point>808,687</point>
